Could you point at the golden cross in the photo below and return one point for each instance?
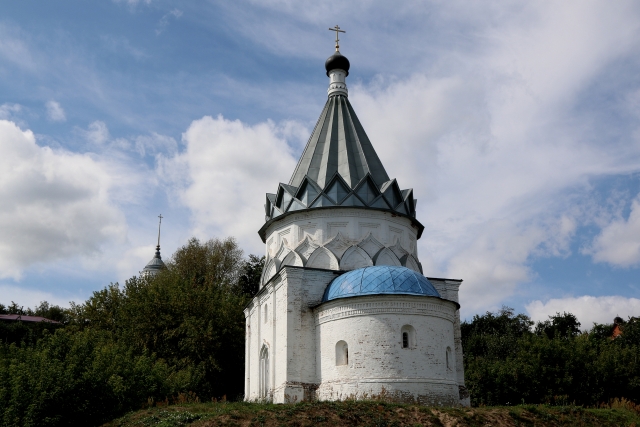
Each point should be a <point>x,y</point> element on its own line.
<point>337,30</point>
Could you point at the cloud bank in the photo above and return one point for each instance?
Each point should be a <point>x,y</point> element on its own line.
<point>55,204</point>
<point>225,171</point>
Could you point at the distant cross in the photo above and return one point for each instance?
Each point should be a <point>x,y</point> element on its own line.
<point>160,223</point>
<point>337,30</point>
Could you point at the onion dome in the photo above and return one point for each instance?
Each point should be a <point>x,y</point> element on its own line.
<point>337,61</point>
<point>156,264</point>
<point>379,280</point>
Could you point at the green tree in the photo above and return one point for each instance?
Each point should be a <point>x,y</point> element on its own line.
<point>249,280</point>
<point>564,325</point>
<point>190,314</point>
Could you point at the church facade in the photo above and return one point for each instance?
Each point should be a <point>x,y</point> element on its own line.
<point>344,309</point>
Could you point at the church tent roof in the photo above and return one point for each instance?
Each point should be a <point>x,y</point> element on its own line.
<point>339,166</point>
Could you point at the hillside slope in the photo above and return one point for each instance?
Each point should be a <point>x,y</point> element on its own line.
<point>374,414</point>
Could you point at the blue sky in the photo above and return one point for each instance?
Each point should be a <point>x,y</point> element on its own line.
<point>516,125</point>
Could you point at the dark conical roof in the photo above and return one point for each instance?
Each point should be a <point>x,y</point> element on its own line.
<point>340,145</point>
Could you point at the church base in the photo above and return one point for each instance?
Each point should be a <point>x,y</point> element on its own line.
<point>431,393</point>
<point>293,392</point>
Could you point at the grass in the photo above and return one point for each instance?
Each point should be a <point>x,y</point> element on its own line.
<point>375,414</point>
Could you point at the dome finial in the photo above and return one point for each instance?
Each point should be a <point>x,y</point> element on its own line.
<point>337,30</point>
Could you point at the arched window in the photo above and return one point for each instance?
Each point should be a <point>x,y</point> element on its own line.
<point>264,372</point>
<point>408,336</point>
<point>449,360</point>
<point>342,353</point>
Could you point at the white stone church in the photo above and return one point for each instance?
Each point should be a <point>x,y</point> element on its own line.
<point>344,309</point>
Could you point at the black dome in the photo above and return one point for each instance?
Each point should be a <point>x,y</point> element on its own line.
<point>337,60</point>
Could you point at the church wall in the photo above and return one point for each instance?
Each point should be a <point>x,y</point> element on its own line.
<point>253,344</point>
<point>377,363</point>
<point>288,331</point>
<point>304,288</point>
<point>448,289</point>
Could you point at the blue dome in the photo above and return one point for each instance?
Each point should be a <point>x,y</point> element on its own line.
<point>379,280</point>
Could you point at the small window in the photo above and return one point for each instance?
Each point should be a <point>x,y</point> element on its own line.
<point>266,313</point>
<point>408,337</point>
<point>449,361</point>
<point>342,353</point>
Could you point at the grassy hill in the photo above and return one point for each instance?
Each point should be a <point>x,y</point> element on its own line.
<point>375,414</point>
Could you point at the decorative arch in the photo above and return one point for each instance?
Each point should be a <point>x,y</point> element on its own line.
<point>282,250</point>
<point>410,262</point>
<point>270,270</point>
<point>264,386</point>
<point>292,259</point>
<point>323,258</point>
<point>342,353</point>
<point>306,248</point>
<point>371,245</point>
<point>355,257</point>
<point>338,244</point>
<point>386,257</point>
<point>398,250</point>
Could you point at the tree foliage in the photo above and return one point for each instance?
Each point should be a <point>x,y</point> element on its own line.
<point>508,362</point>
<point>179,331</point>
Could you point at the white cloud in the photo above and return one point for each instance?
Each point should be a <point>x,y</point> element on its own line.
<point>588,309</point>
<point>164,21</point>
<point>29,298</point>
<point>55,112</point>
<point>14,49</point>
<point>496,258</point>
<point>224,174</point>
<point>8,111</point>
<point>154,144</point>
<point>133,3</point>
<point>53,204</point>
<point>97,133</point>
<point>619,242</point>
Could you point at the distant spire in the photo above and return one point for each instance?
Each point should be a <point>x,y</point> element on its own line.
<point>155,265</point>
